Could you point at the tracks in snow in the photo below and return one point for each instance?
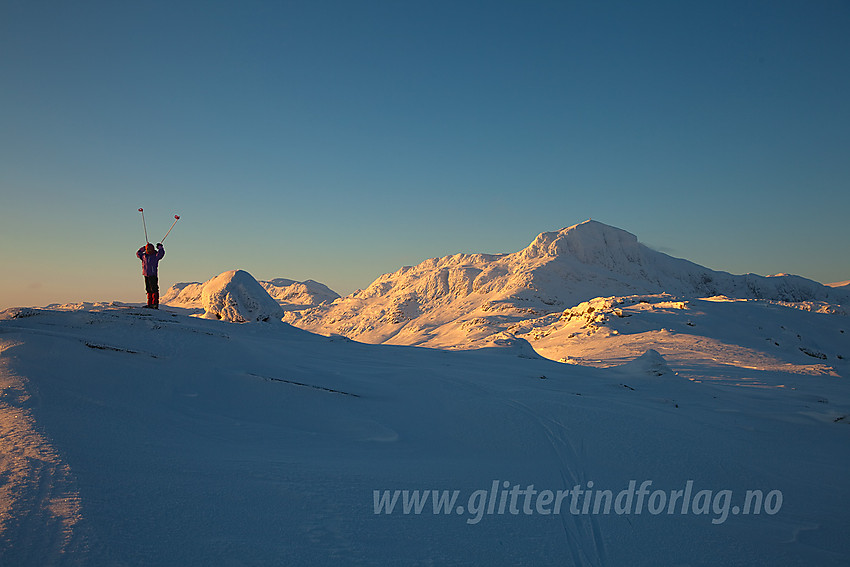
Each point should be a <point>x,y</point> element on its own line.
<point>584,527</point>
<point>39,507</point>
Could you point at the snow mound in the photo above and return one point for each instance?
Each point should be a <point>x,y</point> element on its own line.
<point>651,362</point>
<point>237,297</point>
<point>515,345</point>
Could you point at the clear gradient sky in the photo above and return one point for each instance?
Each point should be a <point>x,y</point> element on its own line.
<point>338,140</point>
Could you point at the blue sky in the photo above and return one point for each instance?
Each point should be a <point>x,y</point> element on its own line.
<point>341,140</point>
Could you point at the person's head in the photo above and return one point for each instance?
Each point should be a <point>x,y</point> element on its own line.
<point>149,249</point>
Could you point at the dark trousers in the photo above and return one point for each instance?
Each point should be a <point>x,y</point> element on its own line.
<point>152,284</point>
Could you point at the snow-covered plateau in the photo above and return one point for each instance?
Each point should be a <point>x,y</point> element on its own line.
<point>593,402</point>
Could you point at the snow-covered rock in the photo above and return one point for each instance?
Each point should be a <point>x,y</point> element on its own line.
<point>237,297</point>
<point>512,344</point>
<point>651,362</point>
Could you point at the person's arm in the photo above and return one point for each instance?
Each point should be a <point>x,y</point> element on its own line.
<point>139,253</point>
<point>160,251</point>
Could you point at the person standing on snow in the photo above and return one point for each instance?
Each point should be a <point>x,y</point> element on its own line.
<point>150,263</point>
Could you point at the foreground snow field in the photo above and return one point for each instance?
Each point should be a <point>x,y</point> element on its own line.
<point>135,437</point>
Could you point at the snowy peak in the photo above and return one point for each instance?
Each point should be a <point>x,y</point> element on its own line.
<point>620,265</point>
<point>590,242</point>
<point>593,250</point>
<point>293,295</point>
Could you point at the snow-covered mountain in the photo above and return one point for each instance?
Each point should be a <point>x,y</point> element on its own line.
<point>293,295</point>
<point>289,294</point>
<point>471,300</point>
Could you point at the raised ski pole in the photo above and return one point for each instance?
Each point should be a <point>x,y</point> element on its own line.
<point>176,218</point>
<point>144,225</point>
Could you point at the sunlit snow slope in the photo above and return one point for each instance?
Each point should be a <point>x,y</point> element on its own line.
<point>141,437</point>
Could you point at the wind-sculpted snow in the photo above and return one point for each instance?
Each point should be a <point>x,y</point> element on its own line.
<point>467,300</point>
<point>132,436</point>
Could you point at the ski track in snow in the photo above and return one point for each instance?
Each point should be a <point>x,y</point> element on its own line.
<point>562,446</point>
<point>39,506</point>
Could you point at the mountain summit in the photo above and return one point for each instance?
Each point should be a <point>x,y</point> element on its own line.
<point>470,300</point>
<point>588,242</point>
